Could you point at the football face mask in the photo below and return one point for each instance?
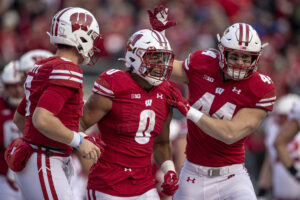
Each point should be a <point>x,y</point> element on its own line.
<point>157,65</point>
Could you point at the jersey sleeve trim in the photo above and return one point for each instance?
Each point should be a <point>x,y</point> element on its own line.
<point>187,62</point>
<point>267,102</point>
<point>99,89</point>
<point>268,99</point>
<point>66,75</point>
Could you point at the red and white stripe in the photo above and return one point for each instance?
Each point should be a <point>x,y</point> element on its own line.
<point>187,62</point>
<point>161,39</point>
<point>266,102</point>
<point>46,180</point>
<point>55,21</point>
<point>99,89</point>
<point>91,194</point>
<point>244,34</point>
<point>66,75</point>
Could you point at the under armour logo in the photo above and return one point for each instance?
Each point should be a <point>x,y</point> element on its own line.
<point>189,179</point>
<point>159,96</point>
<point>236,90</point>
<point>219,90</point>
<point>148,102</point>
<point>127,169</point>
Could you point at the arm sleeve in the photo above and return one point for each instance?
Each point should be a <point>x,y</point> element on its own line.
<point>267,101</point>
<point>22,107</point>
<point>103,87</point>
<point>66,75</point>
<point>197,59</point>
<point>54,98</point>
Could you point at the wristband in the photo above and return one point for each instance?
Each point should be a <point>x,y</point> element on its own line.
<point>76,141</point>
<point>166,166</point>
<point>194,115</point>
<point>81,138</point>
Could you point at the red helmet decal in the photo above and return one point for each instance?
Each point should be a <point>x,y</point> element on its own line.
<point>132,42</point>
<point>241,34</point>
<point>247,31</point>
<point>136,38</point>
<point>81,21</point>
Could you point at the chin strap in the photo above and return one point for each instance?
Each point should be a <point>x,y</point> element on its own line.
<point>264,45</point>
<point>218,37</point>
<point>123,59</point>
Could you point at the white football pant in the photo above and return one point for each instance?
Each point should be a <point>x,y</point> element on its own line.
<point>205,183</point>
<point>46,177</point>
<point>96,195</point>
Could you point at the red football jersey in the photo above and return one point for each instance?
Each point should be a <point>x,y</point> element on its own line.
<point>8,132</point>
<point>53,71</point>
<point>128,130</point>
<point>220,99</point>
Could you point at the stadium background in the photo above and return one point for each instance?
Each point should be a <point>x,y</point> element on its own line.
<point>24,24</point>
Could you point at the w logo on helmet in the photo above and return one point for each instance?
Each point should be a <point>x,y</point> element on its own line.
<point>81,21</point>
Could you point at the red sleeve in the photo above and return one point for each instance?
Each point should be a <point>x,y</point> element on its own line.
<point>54,98</point>
<point>67,75</point>
<point>22,107</point>
<point>263,88</point>
<point>103,87</point>
<point>267,101</point>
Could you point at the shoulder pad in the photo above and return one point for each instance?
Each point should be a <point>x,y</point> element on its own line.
<point>66,74</point>
<point>262,86</point>
<point>104,82</point>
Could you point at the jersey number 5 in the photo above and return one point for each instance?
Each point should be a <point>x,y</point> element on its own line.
<point>27,93</point>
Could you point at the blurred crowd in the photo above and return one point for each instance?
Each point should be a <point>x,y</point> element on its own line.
<point>24,25</point>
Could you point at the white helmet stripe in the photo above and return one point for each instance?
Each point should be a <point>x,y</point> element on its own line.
<point>241,34</point>
<point>158,36</point>
<point>165,40</point>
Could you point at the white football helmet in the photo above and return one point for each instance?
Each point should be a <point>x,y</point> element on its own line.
<point>285,104</point>
<point>150,55</point>
<point>12,79</point>
<point>239,38</point>
<point>77,27</point>
<point>11,73</point>
<point>28,59</point>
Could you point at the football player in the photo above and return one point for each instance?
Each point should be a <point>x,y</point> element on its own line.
<point>13,93</point>
<point>273,174</point>
<point>133,117</point>
<point>28,59</point>
<point>289,132</point>
<point>52,108</point>
<point>229,99</point>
